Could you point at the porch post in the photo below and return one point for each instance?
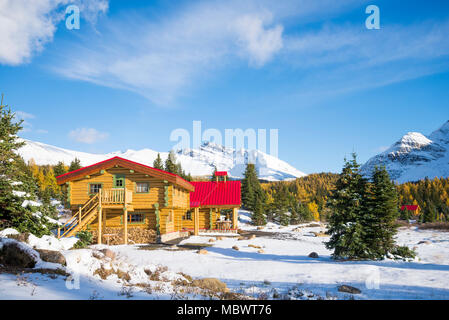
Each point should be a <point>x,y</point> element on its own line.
<point>125,223</point>
<point>100,226</point>
<point>196,222</point>
<point>125,216</point>
<point>100,218</point>
<point>235,218</point>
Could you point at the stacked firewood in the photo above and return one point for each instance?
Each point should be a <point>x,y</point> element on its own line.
<point>116,236</point>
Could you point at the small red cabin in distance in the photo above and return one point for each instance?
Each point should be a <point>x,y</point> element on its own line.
<point>415,209</point>
<point>221,173</point>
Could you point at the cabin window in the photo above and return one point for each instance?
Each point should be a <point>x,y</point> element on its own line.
<point>142,187</point>
<point>188,215</point>
<point>119,181</point>
<point>136,218</point>
<point>94,188</point>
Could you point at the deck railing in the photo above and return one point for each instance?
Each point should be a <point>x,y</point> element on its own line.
<point>116,196</point>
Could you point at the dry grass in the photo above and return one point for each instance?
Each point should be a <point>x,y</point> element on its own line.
<point>440,226</point>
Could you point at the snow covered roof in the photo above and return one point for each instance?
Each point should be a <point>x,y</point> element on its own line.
<point>210,194</point>
<point>109,163</point>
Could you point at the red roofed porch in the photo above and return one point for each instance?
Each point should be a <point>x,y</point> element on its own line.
<point>212,198</point>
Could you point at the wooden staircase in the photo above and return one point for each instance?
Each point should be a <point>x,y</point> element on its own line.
<point>86,214</point>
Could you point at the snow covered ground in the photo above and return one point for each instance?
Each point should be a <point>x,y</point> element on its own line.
<point>282,271</point>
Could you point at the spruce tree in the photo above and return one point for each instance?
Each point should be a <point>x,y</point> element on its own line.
<point>158,163</point>
<point>9,145</point>
<point>170,163</point>
<point>258,217</point>
<point>75,165</point>
<point>281,205</point>
<point>380,215</point>
<point>16,177</point>
<point>252,191</point>
<point>60,169</point>
<point>346,204</point>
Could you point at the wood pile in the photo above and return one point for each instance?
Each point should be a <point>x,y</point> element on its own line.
<point>116,236</point>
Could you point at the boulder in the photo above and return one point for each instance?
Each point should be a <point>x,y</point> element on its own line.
<point>425,242</point>
<point>251,236</point>
<point>314,255</point>
<point>254,246</point>
<point>349,289</point>
<point>13,254</point>
<point>211,240</point>
<point>235,248</point>
<point>219,238</point>
<point>52,256</point>
<point>260,251</point>
<point>260,228</point>
<point>212,284</point>
<point>241,238</point>
<point>202,251</point>
<point>108,253</point>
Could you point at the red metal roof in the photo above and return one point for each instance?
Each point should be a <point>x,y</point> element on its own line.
<point>214,193</point>
<point>410,208</point>
<point>221,173</point>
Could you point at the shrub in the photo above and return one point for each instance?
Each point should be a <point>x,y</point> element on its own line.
<point>403,252</point>
<point>85,239</point>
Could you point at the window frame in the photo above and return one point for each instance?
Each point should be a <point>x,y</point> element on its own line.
<point>143,214</point>
<point>188,215</point>
<point>138,192</point>
<point>89,184</point>
<point>118,177</point>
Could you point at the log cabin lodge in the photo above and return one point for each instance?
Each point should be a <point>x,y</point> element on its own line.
<point>117,196</point>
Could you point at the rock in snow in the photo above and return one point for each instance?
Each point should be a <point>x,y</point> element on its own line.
<point>415,157</point>
<point>197,162</point>
<point>349,289</point>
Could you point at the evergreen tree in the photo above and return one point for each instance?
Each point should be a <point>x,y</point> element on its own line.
<point>281,205</point>
<point>60,169</point>
<point>346,203</point>
<point>252,192</point>
<point>213,178</point>
<point>258,217</point>
<point>170,163</point>
<point>158,163</point>
<point>15,176</point>
<point>380,215</point>
<point>75,165</point>
<point>9,145</point>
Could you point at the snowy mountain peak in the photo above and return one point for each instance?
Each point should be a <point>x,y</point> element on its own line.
<point>197,162</point>
<point>442,134</point>
<point>415,156</point>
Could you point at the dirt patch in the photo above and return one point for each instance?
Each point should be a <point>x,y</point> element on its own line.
<point>440,226</point>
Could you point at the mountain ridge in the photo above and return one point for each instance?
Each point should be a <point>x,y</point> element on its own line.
<point>415,156</point>
<point>197,162</point>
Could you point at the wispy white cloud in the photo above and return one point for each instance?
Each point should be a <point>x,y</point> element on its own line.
<point>87,135</point>
<point>340,59</point>
<point>24,117</point>
<point>258,42</point>
<point>162,57</point>
<point>26,26</point>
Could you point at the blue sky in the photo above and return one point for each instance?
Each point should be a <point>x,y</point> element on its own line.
<point>136,70</point>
